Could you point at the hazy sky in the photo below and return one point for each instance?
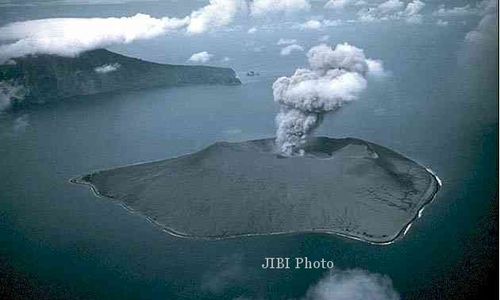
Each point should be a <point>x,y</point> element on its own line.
<point>70,36</point>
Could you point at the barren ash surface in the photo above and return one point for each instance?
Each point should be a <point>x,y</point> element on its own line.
<point>347,186</point>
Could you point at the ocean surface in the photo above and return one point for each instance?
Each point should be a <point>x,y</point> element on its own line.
<point>438,106</point>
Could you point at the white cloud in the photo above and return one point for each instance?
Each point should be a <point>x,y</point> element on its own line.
<point>318,24</point>
<point>486,30</point>
<point>365,15</point>
<point>336,76</point>
<point>229,271</point>
<point>393,10</point>
<point>200,57</point>
<point>311,24</point>
<point>283,41</point>
<point>71,36</point>
<point>455,11</point>
<point>480,8</point>
<point>264,7</point>
<point>216,14</point>
<point>441,23</point>
<point>353,285</point>
<point>412,11</point>
<point>107,68</point>
<point>324,38</point>
<point>258,48</point>
<point>252,30</point>
<point>339,4</point>
<point>7,3</point>
<point>291,48</point>
<point>390,6</point>
<point>331,23</point>
<point>487,6</point>
<point>413,8</point>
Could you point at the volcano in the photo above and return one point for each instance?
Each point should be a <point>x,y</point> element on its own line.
<point>347,187</point>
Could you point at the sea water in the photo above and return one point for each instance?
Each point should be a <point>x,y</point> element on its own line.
<point>438,106</point>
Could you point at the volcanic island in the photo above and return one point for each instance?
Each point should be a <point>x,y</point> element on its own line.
<point>346,186</point>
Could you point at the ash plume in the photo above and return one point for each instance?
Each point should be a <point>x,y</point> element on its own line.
<point>336,76</point>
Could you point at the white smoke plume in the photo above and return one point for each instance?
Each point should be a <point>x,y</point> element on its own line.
<point>353,285</point>
<point>71,36</point>
<point>336,76</point>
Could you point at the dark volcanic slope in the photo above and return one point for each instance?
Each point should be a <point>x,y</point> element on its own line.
<point>50,77</point>
<point>343,186</point>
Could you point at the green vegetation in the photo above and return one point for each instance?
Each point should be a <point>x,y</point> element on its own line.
<point>51,78</point>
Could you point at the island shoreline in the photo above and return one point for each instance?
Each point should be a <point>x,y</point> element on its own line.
<point>432,192</point>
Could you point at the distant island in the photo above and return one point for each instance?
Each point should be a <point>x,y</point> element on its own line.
<point>347,187</point>
<point>45,78</point>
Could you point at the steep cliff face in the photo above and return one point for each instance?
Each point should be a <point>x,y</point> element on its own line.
<point>45,78</point>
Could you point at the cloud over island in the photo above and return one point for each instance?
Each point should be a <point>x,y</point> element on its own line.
<point>71,36</point>
<point>200,57</point>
